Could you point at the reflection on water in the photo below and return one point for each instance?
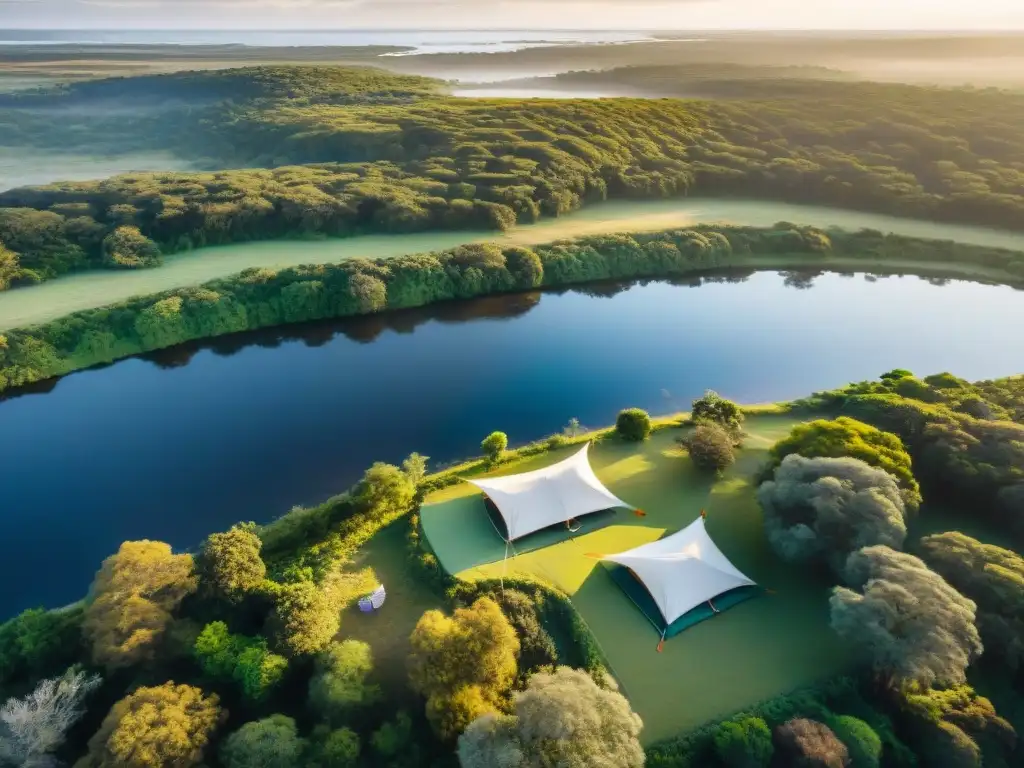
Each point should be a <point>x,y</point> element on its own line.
<point>188,441</point>
<point>364,330</point>
<point>368,328</point>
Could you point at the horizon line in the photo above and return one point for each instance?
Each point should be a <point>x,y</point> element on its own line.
<point>1001,30</point>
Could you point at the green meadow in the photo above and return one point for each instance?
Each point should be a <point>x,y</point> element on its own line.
<point>762,648</point>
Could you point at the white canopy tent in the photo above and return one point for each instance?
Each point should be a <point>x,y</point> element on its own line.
<point>548,496</point>
<point>682,571</point>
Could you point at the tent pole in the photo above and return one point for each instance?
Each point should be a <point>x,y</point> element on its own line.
<point>504,565</point>
<point>713,607</point>
<point>661,644</point>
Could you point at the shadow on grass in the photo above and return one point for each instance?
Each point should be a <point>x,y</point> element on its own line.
<point>387,630</point>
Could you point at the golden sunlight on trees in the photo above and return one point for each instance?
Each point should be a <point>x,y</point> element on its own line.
<point>133,597</point>
<point>463,664</point>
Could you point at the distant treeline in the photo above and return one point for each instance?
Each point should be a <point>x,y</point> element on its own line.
<point>358,150</point>
<point>259,298</point>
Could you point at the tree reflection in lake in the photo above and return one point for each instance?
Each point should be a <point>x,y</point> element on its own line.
<point>364,330</point>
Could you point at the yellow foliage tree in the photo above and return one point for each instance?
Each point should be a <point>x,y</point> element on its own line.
<point>464,664</point>
<point>134,594</point>
<point>169,725</point>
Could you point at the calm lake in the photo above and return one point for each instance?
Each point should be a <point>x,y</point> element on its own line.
<point>186,442</point>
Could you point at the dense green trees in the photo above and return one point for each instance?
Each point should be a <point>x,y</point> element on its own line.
<point>385,488</point>
<point>536,646</point>
<point>339,685</point>
<point>746,743</point>
<point>860,739</point>
<point>633,424</point>
<point>906,622</point>
<point>229,564</point>
<point>992,577</point>
<point>270,743</point>
<point>37,643</point>
<point>844,436</point>
<point>154,728</point>
<point>954,727</point>
<point>245,660</point>
<point>127,247</point>
<point>463,664</point>
<point>304,619</point>
<point>335,749</point>
<point>824,509</point>
<point>562,718</point>
<point>387,153</point>
<point>133,597</point>
<point>970,460</point>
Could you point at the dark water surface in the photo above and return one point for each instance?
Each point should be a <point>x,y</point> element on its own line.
<point>187,442</point>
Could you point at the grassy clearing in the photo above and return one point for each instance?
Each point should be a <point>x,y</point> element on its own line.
<point>762,648</point>
<point>387,630</point>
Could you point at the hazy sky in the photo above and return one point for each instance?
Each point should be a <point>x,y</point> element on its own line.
<point>515,14</point>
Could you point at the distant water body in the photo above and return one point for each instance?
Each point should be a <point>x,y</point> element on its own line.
<point>417,42</point>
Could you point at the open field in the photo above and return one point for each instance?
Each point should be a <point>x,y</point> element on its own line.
<point>762,648</point>
<point>52,299</point>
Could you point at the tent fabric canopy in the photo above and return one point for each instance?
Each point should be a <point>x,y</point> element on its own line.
<point>682,571</point>
<point>534,500</point>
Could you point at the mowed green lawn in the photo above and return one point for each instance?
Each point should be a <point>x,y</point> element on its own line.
<point>764,647</point>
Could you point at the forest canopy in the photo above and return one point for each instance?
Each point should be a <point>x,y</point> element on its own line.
<point>359,150</point>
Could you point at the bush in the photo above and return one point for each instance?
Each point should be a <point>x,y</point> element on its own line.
<point>270,743</point>
<point>246,660</point>
<point>633,424</point>
<point>810,744</point>
<point>385,489</point>
<point>716,409</point>
<point>863,744</point>
<point>710,447</point>
<point>846,437</point>
<point>37,643</point>
<point>907,622</point>
<point>304,620</point>
<point>134,596</point>
<point>339,685</point>
<point>991,576</point>
<point>127,247</point>
<point>957,728</point>
<point>744,744</point>
<point>463,664</point>
<point>563,718</point>
<point>537,649</point>
<point>153,727</point>
<point>335,749</point>
<point>824,509</point>
<point>494,446</point>
<point>229,564</point>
